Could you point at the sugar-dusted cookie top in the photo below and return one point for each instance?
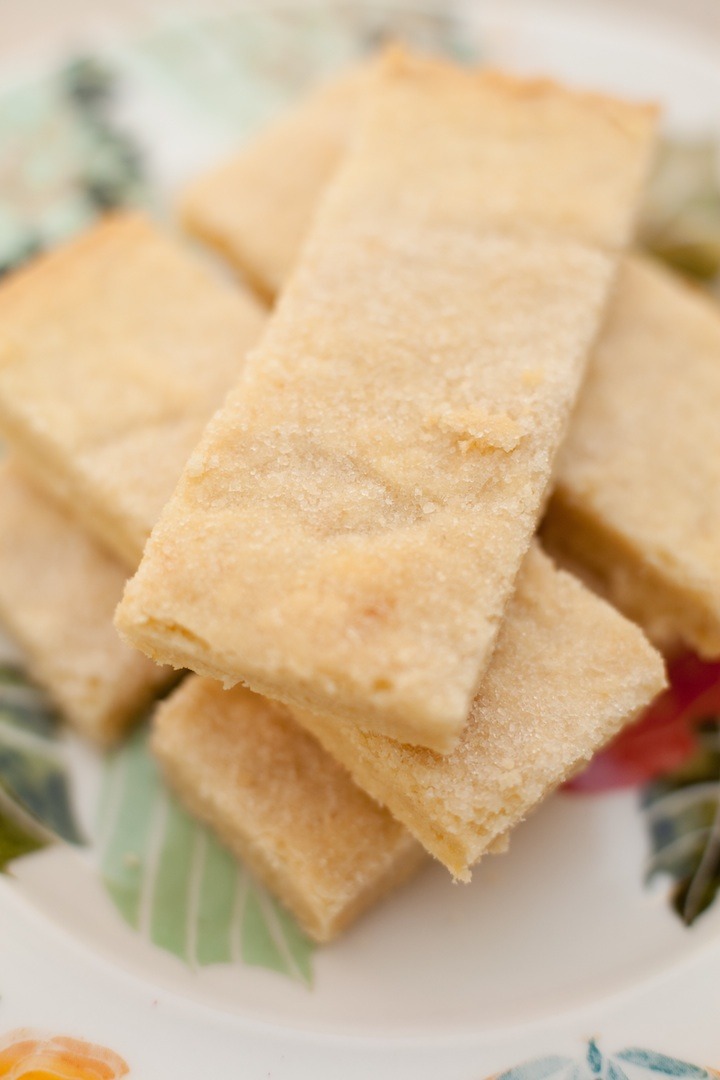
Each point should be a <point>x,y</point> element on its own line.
<point>567,674</point>
<point>348,532</point>
<point>114,351</point>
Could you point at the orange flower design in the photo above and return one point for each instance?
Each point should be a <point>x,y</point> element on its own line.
<point>25,1054</point>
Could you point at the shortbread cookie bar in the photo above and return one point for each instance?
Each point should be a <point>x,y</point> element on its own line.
<point>636,496</point>
<point>568,672</point>
<point>349,530</point>
<point>255,208</point>
<point>602,520</point>
<point>58,592</point>
<point>281,803</point>
<point>116,344</point>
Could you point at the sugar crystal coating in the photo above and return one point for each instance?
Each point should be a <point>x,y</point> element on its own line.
<point>365,497</point>
<point>568,672</point>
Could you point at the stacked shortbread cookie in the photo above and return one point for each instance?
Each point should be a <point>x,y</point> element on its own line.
<point>340,493</point>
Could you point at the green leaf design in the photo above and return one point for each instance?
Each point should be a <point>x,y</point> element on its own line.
<point>87,82</point>
<point>681,220</point>
<point>239,67</point>
<point>16,840</point>
<point>23,705</point>
<point>594,1057</point>
<point>537,1069</point>
<point>597,1064</point>
<point>65,159</point>
<point>33,781</point>
<point>664,1065</point>
<point>683,815</point>
<point>173,882</point>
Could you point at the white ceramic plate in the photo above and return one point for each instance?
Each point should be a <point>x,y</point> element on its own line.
<point>558,955</point>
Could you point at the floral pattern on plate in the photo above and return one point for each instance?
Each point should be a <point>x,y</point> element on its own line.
<point>26,1053</point>
<point>35,801</point>
<point>632,1063</point>
<point>67,158</point>
<point>673,755</point>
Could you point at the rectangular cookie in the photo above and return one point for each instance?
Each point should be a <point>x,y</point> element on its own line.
<point>281,804</point>
<point>114,344</point>
<point>234,757</point>
<point>568,672</point>
<point>635,501</point>
<point>238,761</point>
<point>608,519</point>
<point>58,592</point>
<point>255,208</point>
<point>364,499</point>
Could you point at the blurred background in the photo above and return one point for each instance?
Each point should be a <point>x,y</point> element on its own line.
<point>32,25</point>
<point>107,103</point>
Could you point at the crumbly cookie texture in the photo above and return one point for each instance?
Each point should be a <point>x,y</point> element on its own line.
<point>616,557</point>
<point>568,672</point>
<point>255,208</point>
<point>281,804</point>
<point>114,345</point>
<point>634,497</point>
<point>363,501</point>
<point>613,546</point>
<point>58,592</point>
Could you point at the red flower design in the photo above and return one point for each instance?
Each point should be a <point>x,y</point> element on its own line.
<point>664,736</point>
